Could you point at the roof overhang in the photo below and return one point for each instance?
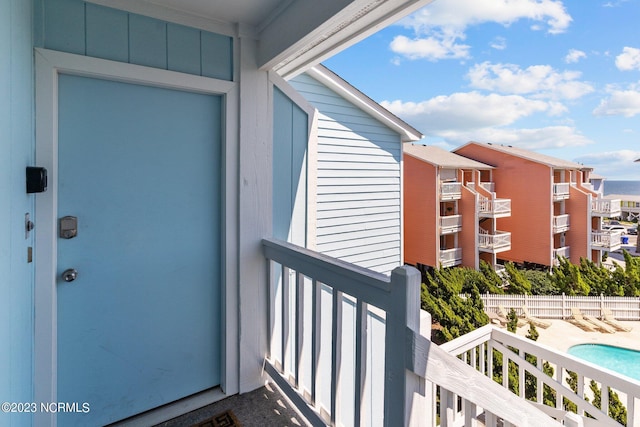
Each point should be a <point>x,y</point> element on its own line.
<point>308,32</point>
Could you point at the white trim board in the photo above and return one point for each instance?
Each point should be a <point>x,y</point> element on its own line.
<point>49,65</point>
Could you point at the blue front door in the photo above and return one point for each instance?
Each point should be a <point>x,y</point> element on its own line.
<point>140,169</point>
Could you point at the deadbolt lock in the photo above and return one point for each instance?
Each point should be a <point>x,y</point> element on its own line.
<point>68,227</point>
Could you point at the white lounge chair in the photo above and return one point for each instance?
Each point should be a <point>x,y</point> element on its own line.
<point>539,323</point>
<point>578,320</point>
<point>594,321</point>
<point>607,317</point>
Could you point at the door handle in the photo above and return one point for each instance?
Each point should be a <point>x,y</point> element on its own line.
<point>70,274</point>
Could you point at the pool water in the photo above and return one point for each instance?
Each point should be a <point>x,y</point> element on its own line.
<point>621,360</point>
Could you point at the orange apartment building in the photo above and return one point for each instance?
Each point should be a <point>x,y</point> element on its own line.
<point>451,211</point>
<point>554,210</point>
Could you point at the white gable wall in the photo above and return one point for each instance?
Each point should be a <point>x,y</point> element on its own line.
<point>358,184</point>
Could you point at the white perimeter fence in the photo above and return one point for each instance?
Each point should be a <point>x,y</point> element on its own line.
<point>559,306</point>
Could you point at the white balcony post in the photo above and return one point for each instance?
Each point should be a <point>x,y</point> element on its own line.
<point>402,388</point>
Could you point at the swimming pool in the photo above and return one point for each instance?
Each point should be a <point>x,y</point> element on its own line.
<point>619,359</point>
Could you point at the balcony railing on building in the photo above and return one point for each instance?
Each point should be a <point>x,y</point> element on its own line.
<point>608,240</point>
<point>450,190</point>
<point>450,257</point>
<point>488,186</point>
<point>560,190</point>
<point>450,224</point>
<point>606,208</point>
<point>494,243</point>
<point>351,347</point>
<point>560,223</point>
<point>494,208</point>
<point>563,252</point>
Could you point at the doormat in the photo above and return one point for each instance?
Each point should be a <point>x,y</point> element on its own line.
<point>224,419</point>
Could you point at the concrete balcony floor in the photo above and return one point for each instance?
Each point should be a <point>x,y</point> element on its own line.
<point>265,406</point>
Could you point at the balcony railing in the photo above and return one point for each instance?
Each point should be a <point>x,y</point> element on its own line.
<point>494,243</point>
<point>560,223</point>
<point>494,208</point>
<point>489,186</point>
<point>450,190</point>
<point>450,257</point>
<point>450,224</point>
<point>560,190</point>
<point>488,348</point>
<point>344,345</point>
<point>563,252</point>
<point>605,207</point>
<point>609,240</point>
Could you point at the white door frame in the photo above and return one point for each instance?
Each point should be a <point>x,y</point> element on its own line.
<point>49,65</point>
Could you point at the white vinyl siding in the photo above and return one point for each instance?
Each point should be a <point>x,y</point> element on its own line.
<point>358,184</point>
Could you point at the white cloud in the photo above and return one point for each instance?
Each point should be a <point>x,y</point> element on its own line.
<point>499,43</point>
<point>574,55</point>
<point>442,23</point>
<point>614,4</point>
<point>462,117</point>
<point>431,48</point>
<point>539,80</point>
<point>466,111</point>
<point>629,59</point>
<point>463,13</point>
<point>612,164</point>
<point>531,139</point>
<point>621,102</point>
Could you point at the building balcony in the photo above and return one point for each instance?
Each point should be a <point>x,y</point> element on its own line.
<point>560,191</point>
<point>560,223</point>
<point>488,186</point>
<point>562,252</point>
<point>450,190</point>
<point>606,208</point>
<point>494,208</point>
<point>450,257</point>
<point>450,224</point>
<point>494,243</point>
<point>606,240</point>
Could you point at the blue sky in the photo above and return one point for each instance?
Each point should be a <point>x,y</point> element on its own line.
<point>558,77</point>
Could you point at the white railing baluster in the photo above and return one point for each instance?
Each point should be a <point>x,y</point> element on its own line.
<point>299,326</point>
<point>490,360</point>
<point>631,411</point>
<point>336,354</point>
<point>490,420</point>
<point>316,323</point>
<point>505,370</point>
<point>447,408</point>
<point>558,374</point>
<point>580,389</point>
<point>271,308</point>
<point>285,319</point>
<point>604,392</point>
<point>520,376</point>
<point>539,384</point>
<point>469,414</point>
<point>361,362</point>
